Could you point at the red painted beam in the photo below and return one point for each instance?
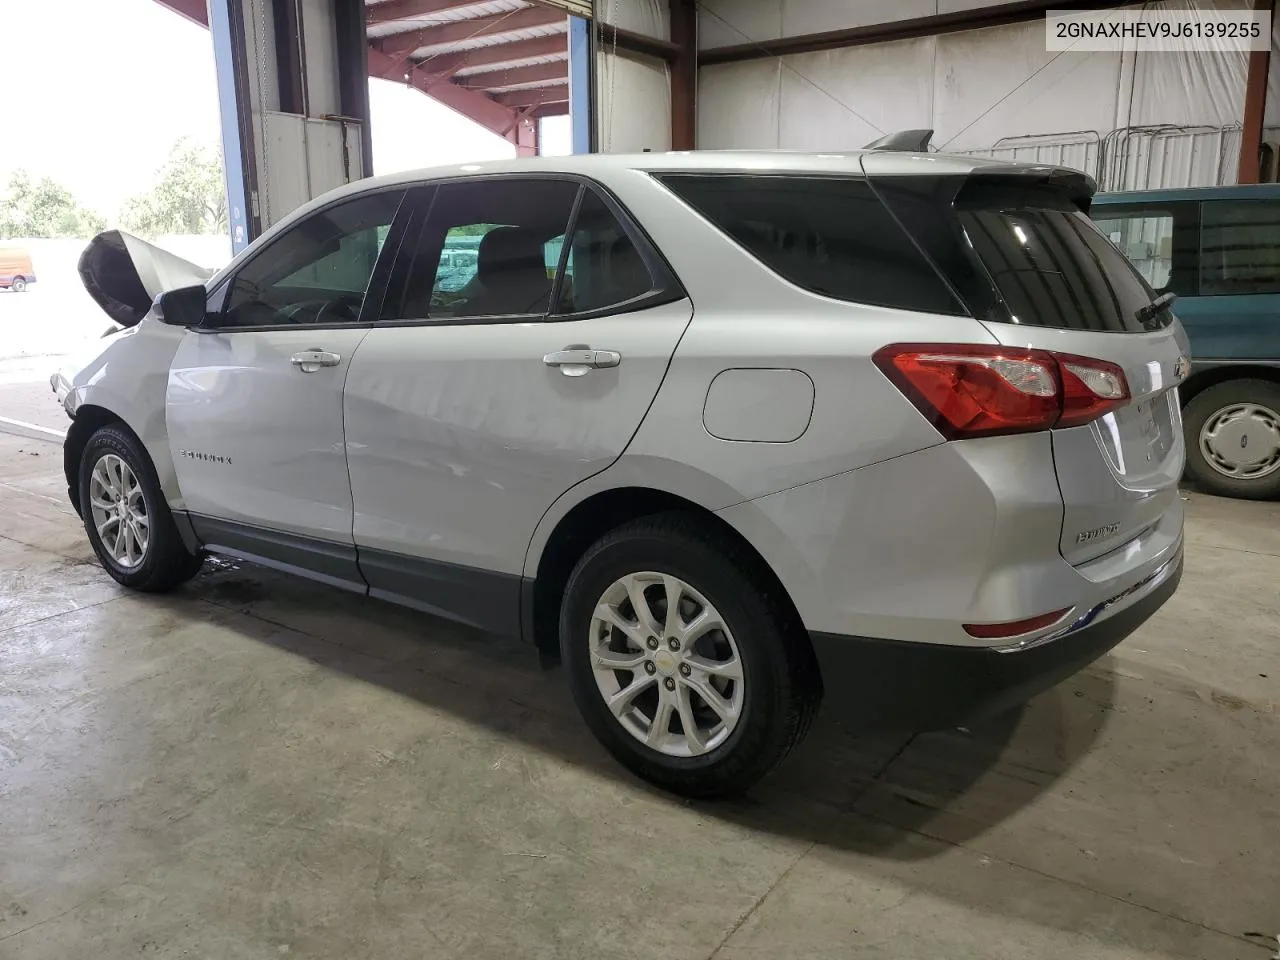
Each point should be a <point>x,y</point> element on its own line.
<point>552,110</point>
<point>525,135</point>
<point>470,103</point>
<point>1255,107</point>
<point>499,54</point>
<point>535,97</point>
<point>684,74</point>
<point>393,10</point>
<point>537,73</point>
<point>999,14</point>
<point>458,31</point>
<point>197,11</point>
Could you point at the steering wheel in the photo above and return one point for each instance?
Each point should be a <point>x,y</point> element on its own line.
<point>344,309</point>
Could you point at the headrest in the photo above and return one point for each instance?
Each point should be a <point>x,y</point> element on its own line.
<point>506,249</point>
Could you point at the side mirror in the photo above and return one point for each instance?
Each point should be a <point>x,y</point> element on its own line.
<point>184,307</point>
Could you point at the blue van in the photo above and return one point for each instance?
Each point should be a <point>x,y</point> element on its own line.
<point>1218,249</point>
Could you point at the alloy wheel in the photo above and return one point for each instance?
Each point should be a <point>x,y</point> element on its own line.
<point>666,664</point>
<point>119,511</point>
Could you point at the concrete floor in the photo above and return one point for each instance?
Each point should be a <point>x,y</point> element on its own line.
<point>259,767</point>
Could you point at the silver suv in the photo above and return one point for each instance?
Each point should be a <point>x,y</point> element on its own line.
<point>717,431</point>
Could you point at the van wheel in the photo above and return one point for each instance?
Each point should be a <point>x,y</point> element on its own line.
<point>18,284</point>
<point>1232,431</point>
<point>126,517</point>
<point>683,661</point>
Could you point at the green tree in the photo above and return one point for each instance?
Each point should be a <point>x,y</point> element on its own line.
<point>44,208</point>
<point>189,196</point>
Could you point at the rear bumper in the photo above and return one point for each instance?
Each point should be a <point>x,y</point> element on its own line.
<point>886,684</point>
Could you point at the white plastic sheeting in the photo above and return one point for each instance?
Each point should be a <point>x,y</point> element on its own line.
<point>1166,119</point>
<point>633,93</point>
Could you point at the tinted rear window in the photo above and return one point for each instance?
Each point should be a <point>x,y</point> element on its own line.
<point>830,235</point>
<point>1050,265</point>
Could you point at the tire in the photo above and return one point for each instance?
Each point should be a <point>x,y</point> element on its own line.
<point>780,685</point>
<point>18,284</point>
<point>1243,415</point>
<point>163,561</point>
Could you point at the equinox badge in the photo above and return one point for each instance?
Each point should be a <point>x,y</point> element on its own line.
<point>1098,533</point>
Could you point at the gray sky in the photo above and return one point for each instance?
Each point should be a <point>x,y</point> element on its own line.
<point>107,86</point>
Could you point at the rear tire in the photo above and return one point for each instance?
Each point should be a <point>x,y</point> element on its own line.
<point>1232,431</point>
<point>18,284</point>
<point>759,669</point>
<point>128,521</point>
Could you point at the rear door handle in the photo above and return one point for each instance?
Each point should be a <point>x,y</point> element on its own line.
<point>309,361</point>
<point>576,361</point>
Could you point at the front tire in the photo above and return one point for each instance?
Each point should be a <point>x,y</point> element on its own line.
<point>703,699</point>
<point>129,524</point>
<point>1232,431</point>
<point>18,284</point>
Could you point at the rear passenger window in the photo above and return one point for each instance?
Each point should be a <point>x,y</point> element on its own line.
<point>604,268</point>
<point>488,248</point>
<point>1239,247</point>
<point>481,250</point>
<point>829,235</point>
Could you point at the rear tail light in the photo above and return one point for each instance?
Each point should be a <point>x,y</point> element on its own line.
<point>981,390</point>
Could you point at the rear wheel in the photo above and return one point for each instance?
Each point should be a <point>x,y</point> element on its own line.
<point>18,284</point>
<point>1233,439</point>
<point>684,662</point>
<point>126,517</point>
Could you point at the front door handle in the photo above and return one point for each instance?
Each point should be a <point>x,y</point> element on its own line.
<point>309,361</point>
<point>576,361</point>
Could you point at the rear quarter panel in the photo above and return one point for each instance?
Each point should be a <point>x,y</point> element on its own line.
<point>757,320</point>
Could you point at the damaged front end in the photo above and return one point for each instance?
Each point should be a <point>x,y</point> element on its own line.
<point>124,274</point>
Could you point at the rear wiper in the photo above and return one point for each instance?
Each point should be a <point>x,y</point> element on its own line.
<point>1156,307</point>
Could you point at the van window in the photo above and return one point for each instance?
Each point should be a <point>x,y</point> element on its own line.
<point>1239,247</point>
<point>1146,239</point>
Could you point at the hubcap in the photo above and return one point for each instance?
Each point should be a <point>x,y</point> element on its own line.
<point>1242,441</point>
<point>682,698</point>
<point>119,510</point>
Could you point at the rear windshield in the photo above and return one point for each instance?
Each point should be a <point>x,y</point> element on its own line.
<point>1051,266</point>
<point>830,235</point>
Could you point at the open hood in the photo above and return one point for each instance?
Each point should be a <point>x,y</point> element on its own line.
<point>125,274</point>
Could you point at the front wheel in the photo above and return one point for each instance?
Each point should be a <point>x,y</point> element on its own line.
<point>682,658</point>
<point>1233,439</point>
<point>126,517</point>
<point>18,284</point>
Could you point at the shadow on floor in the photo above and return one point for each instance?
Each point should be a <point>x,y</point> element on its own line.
<point>998,766</point>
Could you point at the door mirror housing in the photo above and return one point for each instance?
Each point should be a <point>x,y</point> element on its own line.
<point>184,307</point>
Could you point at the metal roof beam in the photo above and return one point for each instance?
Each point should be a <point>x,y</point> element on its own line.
<point>393,10</point>
<point>459,31</point>
<point>197,11</point>
<point>551,110</point>
<point>538,73</point>
<point>470,103</point>
<point>497,54</point>
<point>997,14</point>
<point>535,97</point>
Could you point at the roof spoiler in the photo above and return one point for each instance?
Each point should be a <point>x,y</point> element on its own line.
<point>904,141</point>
